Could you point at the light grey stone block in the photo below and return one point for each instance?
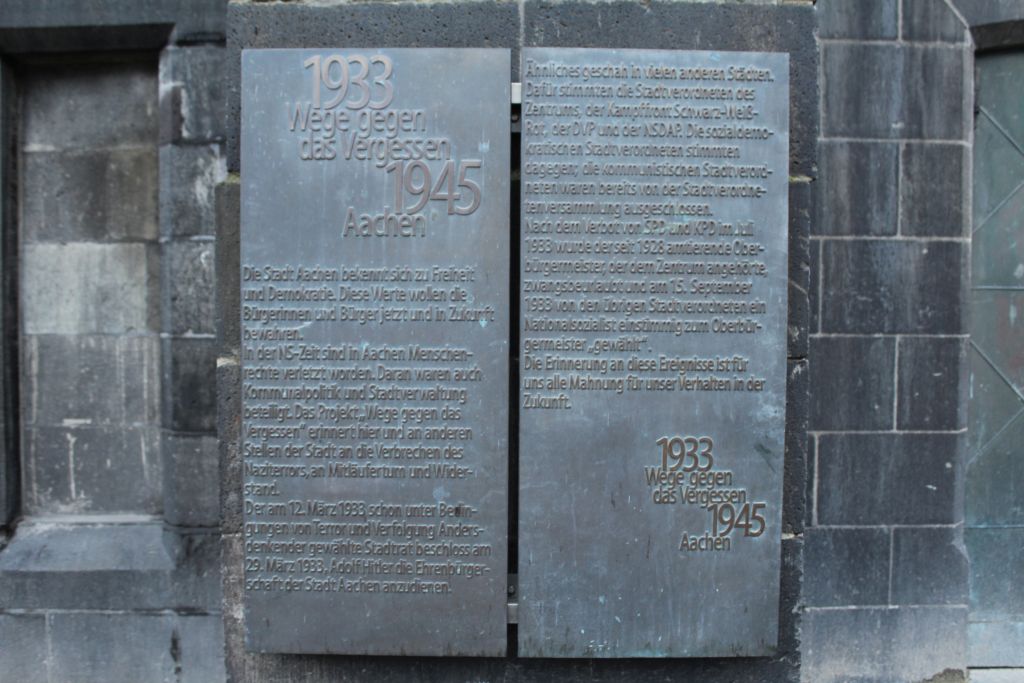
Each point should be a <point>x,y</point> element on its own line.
<point>81,288</point>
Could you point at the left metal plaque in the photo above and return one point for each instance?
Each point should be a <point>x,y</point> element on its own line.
<point>375,293</point>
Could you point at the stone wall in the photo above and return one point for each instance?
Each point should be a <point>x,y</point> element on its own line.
<point>875,573</point>
<point>112,125</point>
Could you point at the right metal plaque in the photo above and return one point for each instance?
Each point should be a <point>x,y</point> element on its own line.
<point>653,352</point>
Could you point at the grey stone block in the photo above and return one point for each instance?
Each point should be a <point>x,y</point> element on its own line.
<point>24,654</point>
<point>190,480</point>
<point>929,566</point>
<point>365,24</point>
<point>189,384</point>
<point>860,19</point>
<point>188,280</point>
<point>193,109</point>
<point>881,645</point>
<point>889,91</point>
<point>997,563</point>
<point>90,379</point>
<point>932,383</point>
<point>228,436</point>
<point>857,188</point>
<point>91,470</point>
<point>82,288</point>
<point>113,105</point>
<point>846,567</point>
<point>189,175</point>
<point>869,479</point>
<point>94,195</point>
<point>864,368</point>
<point>892,287</point>
<point>228,283</point>
<point>931,22</point>
<point>932,190</point>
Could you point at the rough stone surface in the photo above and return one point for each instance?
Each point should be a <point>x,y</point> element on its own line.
<point>884,479</point>
<point>863,366</point>
<point>858,188</point>
<point>844,566</point>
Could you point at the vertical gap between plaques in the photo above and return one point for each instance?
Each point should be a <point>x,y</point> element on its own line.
<point>513,380</point>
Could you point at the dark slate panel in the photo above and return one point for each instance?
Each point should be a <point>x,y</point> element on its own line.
<point>929,566</point>
<point>932,383</point>
<point>864,368</point>
<point>887,478</point>
<point>845,566</point>
<point>857,189</point>
<point>610,519</point>
<point>375,350</point>
<point>861,279</point>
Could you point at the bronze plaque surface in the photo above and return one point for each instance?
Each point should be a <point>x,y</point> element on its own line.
<point>375,278</point>
<point>653,352</point>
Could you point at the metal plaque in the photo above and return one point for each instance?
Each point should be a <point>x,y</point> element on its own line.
<point>653,352</point>
<point>375,278</point>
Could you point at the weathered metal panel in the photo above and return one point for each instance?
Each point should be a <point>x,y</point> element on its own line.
<point>375,278</point>
<point>653,344</point>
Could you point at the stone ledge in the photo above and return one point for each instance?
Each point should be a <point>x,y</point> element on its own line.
<point>110,562</point>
